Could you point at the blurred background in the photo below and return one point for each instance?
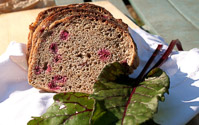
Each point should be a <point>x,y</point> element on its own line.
<point>17,5</point>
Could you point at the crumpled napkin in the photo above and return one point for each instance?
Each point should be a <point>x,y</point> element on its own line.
<point>19,101</point>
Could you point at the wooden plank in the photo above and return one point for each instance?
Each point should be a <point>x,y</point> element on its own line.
<point>164,20</point>
<point>120,5</point>
<point>15,26</point>
<point>66,2</point>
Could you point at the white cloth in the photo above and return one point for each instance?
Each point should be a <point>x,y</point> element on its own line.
<point>19,101</point>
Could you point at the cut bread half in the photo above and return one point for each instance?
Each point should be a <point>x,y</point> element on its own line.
<point>71,52</point>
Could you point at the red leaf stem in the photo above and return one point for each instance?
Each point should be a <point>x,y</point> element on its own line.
<point>128,102</point>
<point>168,52</point>
<point>179,45</point>
<point>141,75</point>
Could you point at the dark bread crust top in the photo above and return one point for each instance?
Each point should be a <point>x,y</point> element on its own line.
<point>92,6</point>
<point>42,15</point>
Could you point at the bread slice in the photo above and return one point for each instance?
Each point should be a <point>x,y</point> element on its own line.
<point>51,11</point>
<point>72,51</point>
<point>65,13</point>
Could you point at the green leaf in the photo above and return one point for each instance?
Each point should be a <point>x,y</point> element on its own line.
<point>102,114</point>
<point>144,102</point>
<point>68,109</point>
<point>112,93</point>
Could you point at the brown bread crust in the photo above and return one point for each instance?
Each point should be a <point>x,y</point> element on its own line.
<point>133,61</point>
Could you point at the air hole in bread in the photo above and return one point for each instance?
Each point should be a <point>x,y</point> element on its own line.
<point>60,68</point>
<point>103,21</point>
<point>80,55</point>
<point>79,86</point>
<point>119,35</point>
<point>88,55</point>
<point>45,66</point>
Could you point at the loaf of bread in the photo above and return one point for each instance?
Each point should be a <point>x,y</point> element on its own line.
<point>72,47</point>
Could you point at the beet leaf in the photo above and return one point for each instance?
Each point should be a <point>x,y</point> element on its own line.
<point>117,94</point>
<point>68,108</point>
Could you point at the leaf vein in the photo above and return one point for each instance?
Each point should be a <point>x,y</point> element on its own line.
<point>143,95</point>
<point>114,88</point>
<point>147,87</point>
<point>78,104</point>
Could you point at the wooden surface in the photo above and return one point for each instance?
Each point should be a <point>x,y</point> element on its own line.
<point>171,19</point>
<point>15,26</point>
